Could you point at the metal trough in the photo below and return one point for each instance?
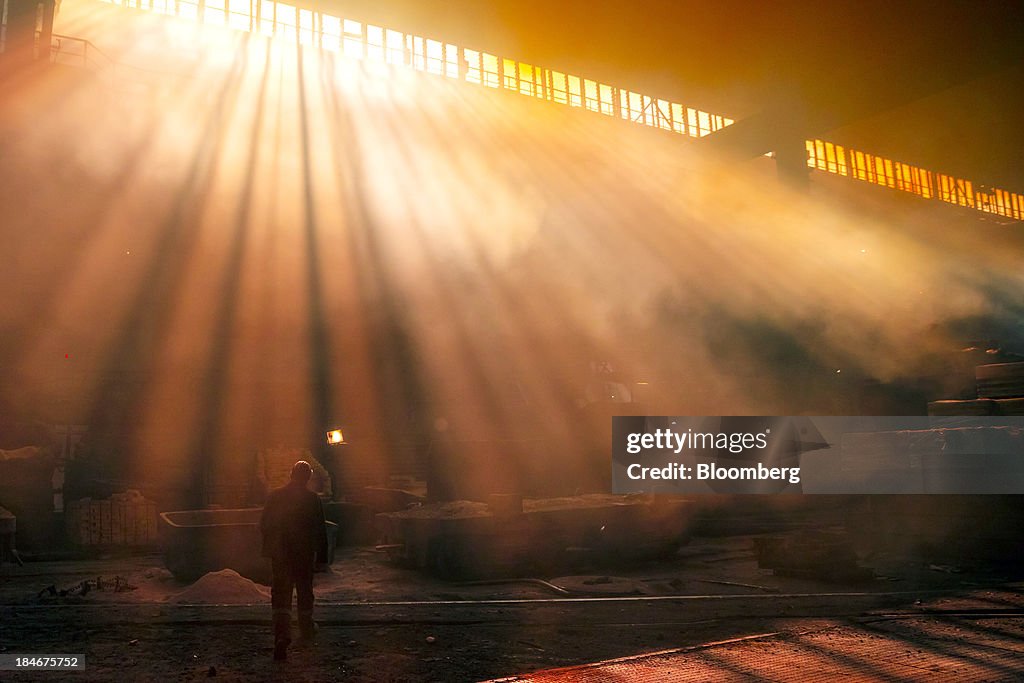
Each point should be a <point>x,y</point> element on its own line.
<point>464,539</point>
<point>199,541</point>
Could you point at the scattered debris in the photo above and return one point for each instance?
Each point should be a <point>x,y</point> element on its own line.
<point>133,642</point>
<point>158,573</point>
<point>119,585</point>
<point>431,639</point>
<point>540,582</point>
<point>766,589</point>
<point>729,557</point>
<point>602,586</point>
<point>594,581</point>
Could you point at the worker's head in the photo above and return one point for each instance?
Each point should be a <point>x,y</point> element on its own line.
<point>301,472</point>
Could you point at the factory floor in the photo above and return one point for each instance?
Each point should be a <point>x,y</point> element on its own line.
<point>974,643</point>
<point>709,613</point>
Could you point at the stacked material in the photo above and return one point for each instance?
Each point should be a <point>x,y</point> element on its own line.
<point>126,519</point>
<point>948,460</point>
<point>1001,380</point>
<point>977,407</point>
<point>1000,392</point>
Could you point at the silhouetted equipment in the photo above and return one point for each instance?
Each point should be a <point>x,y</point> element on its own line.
<point>26,489</point>
<point>466,539</point>
<point>967,530</point>
<point>8,527</point>
<point>1003,380</point>
<point>814,554</point>
<point>199,541</point>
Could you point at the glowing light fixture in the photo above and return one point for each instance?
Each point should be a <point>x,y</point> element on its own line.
<point>335,437</point>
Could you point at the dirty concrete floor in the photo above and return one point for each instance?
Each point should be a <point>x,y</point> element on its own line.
<point>382,623</point>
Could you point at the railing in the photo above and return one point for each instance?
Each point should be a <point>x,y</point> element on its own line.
<point>78,52</point>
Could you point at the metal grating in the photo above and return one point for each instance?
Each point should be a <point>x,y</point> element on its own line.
<point>898,650</point>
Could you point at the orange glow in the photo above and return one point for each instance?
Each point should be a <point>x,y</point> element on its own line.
<point>357,40</point>
<point>394,249</point>
<point>831,158</point>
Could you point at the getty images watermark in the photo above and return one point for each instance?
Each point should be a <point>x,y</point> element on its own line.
<point>731,443</point>
<point>757,454</point>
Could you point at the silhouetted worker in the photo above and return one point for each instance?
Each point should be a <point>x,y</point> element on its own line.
<point>295,539</point>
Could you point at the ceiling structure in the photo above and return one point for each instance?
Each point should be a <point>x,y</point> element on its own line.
<point>939,85</point>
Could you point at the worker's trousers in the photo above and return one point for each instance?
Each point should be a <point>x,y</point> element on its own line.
<point>289,574</point>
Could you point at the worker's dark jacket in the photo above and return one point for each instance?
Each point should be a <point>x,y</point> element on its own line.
<point>293,524</point>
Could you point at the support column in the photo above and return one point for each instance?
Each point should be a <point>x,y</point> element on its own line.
<point>24,19</point>
<point>19,48</point>
<point>791,162</point>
